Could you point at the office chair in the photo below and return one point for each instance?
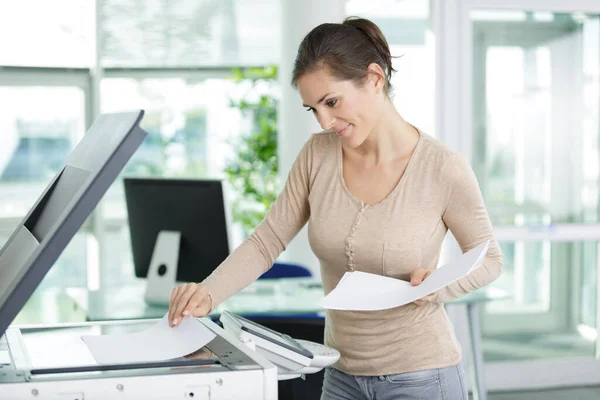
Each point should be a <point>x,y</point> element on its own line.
<point>286,270</point>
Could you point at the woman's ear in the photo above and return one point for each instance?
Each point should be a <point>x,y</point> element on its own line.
<point>376,77</point>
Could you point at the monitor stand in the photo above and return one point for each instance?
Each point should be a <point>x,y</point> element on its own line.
<point>162,273</point>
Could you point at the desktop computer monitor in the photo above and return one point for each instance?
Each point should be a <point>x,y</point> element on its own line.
<point>63,207</point>
<point>178,231</point>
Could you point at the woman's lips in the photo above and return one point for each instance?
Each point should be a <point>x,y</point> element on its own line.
<point>343,131</point>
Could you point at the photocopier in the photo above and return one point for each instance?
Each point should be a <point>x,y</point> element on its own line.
<point>243,361</point>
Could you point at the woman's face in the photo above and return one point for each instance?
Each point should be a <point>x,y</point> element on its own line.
<point>342,106</point>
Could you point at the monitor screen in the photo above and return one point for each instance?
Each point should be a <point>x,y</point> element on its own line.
<point>195,208</point>
<point>63,207</point>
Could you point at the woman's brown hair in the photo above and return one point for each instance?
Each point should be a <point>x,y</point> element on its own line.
<point>345,50</point>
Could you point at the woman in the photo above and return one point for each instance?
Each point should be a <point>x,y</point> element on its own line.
<point>379,196</point>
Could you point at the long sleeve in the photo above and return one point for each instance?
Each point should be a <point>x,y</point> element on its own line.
<point>467,218</point>
<point>288,214</point>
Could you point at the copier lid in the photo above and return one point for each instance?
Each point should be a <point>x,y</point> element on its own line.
<point>63,207</point>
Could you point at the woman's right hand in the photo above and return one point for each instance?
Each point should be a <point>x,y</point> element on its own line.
<point>190,299</point>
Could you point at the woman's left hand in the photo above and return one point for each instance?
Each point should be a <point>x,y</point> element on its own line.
<point>417,276</point>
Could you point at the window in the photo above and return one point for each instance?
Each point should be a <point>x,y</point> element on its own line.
<point>189,33</point>
<point>39,127</point>
<point>535,152</point>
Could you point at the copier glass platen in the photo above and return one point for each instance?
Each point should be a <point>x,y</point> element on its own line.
<point>52,362</point>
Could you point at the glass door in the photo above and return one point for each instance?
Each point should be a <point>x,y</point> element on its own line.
<point>526,77</point>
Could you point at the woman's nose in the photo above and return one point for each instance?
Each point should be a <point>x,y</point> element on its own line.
<point>326,122</point>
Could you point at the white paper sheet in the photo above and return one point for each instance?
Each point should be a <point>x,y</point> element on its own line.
<point>362,291</point>
<point>158,343</point>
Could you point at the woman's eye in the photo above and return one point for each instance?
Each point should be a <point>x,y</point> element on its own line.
<point>309,109</point>
<point>331,102</point>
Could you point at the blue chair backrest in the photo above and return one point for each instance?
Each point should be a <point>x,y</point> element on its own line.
<point>285,270</point>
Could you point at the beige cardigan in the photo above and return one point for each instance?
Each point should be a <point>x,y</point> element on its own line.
<point>437,192</point>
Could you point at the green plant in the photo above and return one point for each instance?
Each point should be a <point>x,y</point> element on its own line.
<point>252,172</point>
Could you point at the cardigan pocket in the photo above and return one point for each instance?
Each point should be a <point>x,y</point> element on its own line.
<point>400,259</point>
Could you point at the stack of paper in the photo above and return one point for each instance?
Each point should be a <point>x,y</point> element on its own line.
<point>361,291</point>
<point>158,343</point>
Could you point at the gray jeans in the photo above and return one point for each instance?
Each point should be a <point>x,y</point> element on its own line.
<point>431,384</point>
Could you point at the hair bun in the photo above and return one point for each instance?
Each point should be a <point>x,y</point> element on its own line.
<point>376,37</point>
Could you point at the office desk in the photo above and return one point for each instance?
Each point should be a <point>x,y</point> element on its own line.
<point>279,298</point>
<point>291,297</point>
